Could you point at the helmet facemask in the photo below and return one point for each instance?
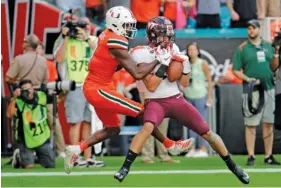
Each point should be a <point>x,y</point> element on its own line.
<point>160,32</point>
<point>130,30</point>
<point>166,36</point>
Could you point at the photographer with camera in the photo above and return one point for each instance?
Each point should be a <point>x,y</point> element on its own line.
<point>72,51</point>
<point>276,66</point>
<point>254,57</point>
<point>32,131</point>
<point>29,65</point>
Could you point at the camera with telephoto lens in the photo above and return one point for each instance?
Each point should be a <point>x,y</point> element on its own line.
<point>277,40</point>
<point>24,93</point>
<point>65,85</point>
<point>72,24</point>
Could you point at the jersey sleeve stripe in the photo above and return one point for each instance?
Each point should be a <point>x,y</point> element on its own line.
<point>117,46</point>
<point>114,41</point>
<point>119,101</point>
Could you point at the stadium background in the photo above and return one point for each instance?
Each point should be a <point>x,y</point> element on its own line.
<point>19,18</point>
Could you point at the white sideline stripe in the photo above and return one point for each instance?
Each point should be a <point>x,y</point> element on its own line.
<point>149,187</point>
<point>102,173</point>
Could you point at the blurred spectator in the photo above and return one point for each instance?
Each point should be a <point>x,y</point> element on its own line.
<point>208,14</point>
<point>77,5</point>
<point>241,12</point>
<point>53,76</point>
<point>268,8</point>
<point>275,27</point>
<point>185,9</point>
<point>229,77</point>
<point>122,79</point>
<point>93,28</point>
<point>171,8</point>
<point>198,94</point>
<point>32,130</point>
<point>29,65</point>
<point>95,10</point>
<point>72,54</point>
<point>276,67</point>
<point>144,10</point>
<point>254,57</point>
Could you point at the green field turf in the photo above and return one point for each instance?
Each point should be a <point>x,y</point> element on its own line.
<point>180,178</point>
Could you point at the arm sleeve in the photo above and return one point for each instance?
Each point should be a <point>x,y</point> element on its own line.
<point>237,60</point>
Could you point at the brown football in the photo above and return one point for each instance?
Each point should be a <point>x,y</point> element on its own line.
<point>174,71</point>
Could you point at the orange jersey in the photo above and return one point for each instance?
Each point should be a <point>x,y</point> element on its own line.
<point>92,3</point>
<point>170,10</point>
<point>52,71</point>
<point>103,65</point>
<point>144,10</point>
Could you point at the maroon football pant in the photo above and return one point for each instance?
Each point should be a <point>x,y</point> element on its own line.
<point>177,108</point>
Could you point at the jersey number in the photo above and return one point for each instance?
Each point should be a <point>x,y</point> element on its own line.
<point>35,131</point>
<point>79,65</point>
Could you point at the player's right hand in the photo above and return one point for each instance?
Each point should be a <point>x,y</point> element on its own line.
<point>163,55</point>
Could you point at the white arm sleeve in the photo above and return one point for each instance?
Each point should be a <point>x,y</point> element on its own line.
<point>138,56</point>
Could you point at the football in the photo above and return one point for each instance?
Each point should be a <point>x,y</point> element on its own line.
<point>174,71</point>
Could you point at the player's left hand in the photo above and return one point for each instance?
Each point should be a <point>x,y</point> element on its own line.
<point>163,55</point>
<point>82,35</point>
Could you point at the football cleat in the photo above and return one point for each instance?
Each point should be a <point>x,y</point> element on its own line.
<point>181,146</point>
<point>121,174</point>
<point>71,156</point>
<point>241,175</point>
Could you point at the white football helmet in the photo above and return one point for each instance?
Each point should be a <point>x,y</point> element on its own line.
<point>121,21</point>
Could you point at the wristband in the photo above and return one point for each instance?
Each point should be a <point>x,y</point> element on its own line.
<point>186,68</point>
<point>161,71</point>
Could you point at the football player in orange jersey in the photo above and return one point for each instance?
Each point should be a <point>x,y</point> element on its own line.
<point>111,51</point>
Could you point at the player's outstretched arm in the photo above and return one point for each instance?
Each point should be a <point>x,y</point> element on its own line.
<point>126,61</point>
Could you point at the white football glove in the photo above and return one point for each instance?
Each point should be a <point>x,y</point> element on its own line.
<point>186,66</point>
<point>163,56</point>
